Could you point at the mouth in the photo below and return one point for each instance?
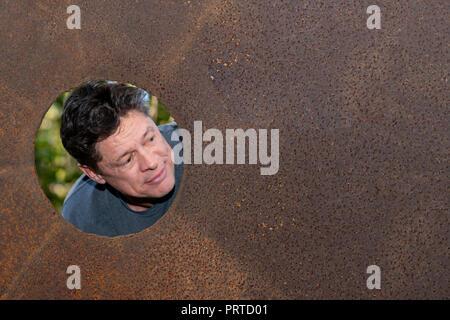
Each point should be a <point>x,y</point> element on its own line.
<point>158,177</point>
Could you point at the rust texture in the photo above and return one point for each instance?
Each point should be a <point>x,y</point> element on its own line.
<point>363,119</point>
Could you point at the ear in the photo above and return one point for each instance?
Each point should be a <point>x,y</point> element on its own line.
<point>92,174</point>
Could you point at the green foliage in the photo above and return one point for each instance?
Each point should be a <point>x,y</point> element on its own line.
<point>56,169</point>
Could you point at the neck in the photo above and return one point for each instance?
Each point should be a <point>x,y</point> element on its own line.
<point>141,204</point>
<point>138,204</point>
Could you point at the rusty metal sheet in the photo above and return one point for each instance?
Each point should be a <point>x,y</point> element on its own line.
<point>363,177</point>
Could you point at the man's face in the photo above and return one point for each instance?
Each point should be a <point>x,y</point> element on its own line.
<point>136,159</point>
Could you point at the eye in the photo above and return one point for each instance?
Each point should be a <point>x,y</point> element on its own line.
<point>152,138</point>
<point>127,161</point>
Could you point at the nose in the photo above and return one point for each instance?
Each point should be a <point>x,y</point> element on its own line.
<point>148,161</point>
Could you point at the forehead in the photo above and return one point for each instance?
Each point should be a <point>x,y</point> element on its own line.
<point>130,132</point>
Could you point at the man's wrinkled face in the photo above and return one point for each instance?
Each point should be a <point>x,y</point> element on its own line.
<point>136,159</point>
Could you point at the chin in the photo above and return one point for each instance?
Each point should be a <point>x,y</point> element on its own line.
<point>163,189</point>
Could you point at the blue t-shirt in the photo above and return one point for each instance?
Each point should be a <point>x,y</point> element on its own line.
<point>99,208</point>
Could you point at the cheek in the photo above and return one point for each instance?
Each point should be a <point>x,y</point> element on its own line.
<point>131,179</point>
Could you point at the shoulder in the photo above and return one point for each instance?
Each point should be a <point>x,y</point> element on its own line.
<point>82,183</point>
<point>77,199</point>
<point>86,207</point>
<point>168,127</point>
<point>170,133</point>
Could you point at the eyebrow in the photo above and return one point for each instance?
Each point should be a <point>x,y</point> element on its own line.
<point>149,129</point>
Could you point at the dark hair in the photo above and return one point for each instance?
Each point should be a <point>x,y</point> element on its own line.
<point>92,113</point>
